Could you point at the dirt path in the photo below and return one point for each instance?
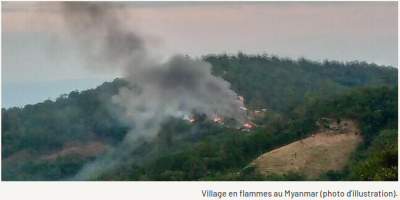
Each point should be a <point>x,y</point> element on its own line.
<point>84,149</point>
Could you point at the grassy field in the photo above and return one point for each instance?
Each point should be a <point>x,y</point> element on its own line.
<point>327,149</point>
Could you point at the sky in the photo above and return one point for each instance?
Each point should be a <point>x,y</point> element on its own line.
<point>36,46</point>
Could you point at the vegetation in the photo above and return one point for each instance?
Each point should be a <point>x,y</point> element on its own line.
<point>294,93</point>
<point>280,84</point>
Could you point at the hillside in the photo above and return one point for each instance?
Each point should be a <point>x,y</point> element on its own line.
<point>326,149</point>
<point>55,139</point>
<point>268,80</point>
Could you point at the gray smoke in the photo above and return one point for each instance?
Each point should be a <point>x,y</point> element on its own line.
<point>157,89</point>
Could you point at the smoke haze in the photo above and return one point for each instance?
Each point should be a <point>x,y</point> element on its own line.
<point>157,89</point>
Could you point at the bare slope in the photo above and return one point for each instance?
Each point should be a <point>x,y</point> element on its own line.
<point>329,149</point>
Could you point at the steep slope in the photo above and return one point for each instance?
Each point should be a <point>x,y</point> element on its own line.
<point>329,149</point>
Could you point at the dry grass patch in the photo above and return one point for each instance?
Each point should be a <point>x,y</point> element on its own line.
<point>326,150</point>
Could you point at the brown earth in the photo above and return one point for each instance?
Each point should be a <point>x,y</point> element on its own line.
<point>328,149</point>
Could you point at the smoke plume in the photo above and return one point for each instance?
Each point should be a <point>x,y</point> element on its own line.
<point>157,89</point>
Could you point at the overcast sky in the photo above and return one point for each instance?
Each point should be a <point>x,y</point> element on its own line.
<point>35,46</point>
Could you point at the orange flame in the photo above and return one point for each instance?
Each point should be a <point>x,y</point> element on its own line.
<point>248,125</point>
<point>217,119</point>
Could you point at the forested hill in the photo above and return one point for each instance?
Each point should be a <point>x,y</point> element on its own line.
<point>44,141</point>
<point>268,81</point>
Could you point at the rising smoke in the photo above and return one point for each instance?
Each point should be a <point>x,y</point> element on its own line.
<point>161,89</point>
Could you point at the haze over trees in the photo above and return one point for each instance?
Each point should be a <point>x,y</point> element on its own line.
<point>290,95</point>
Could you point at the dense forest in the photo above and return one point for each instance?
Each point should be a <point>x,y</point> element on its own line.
<point>292,95</point>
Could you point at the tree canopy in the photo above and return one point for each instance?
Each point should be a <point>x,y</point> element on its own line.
<point>292,95</point>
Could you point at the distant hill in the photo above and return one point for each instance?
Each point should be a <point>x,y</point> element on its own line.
<point>19,94</point>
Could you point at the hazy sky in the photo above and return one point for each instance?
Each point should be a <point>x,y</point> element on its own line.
<point>35,45</point>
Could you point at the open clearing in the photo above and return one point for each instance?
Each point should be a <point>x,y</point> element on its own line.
<point>328,149</point>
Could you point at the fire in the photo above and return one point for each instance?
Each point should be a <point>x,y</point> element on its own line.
<point>248,125</point>
<point>217,119</point>
<point>191,119</point>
